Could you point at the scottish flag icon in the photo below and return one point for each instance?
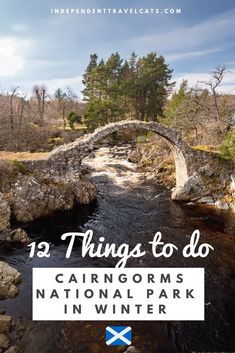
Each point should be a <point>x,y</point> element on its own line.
<point>118,335</point>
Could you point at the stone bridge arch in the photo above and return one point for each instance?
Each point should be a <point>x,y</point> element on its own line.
<point>68,157</point>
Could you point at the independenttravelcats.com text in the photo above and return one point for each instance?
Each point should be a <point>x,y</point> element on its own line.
<point>115,11</point>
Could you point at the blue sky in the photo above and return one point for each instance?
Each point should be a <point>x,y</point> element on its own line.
<point>38,47</point>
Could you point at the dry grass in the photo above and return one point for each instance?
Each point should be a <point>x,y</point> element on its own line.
<point>22,156</point>
<point>76,127</point>
<point>207,148</point>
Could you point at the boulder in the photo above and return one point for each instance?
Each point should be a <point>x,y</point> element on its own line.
<point>5,323</point>
<point>208,200</point>
<point>85,191</point>
<point>134,156</point>
<point>5,214</point>
<point>192,190</point>
<point>15,236</point>
<point>9,278</point>
<point>11,350</point>
<point>207,170</point>
<point>33,199</point>
<point>222,205</point>
<point>4,342</point>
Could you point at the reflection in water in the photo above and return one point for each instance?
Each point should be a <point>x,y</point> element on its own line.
<point>131,210</point>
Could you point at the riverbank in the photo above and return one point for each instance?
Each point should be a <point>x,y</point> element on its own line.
<point>27,196</point>
<point>218,176</point>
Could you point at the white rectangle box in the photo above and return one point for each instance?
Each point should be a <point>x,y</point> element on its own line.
<point>132,295</point>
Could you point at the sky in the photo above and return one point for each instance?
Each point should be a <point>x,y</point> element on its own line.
<point>37,46</point>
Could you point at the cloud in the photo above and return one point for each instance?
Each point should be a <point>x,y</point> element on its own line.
<point>20,28</point>
<point>12,56</point>
<point>206,34</point>
<point>60,45</point>
<point>227,86</point>
<point>191,54</point>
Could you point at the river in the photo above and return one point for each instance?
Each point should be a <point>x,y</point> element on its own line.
<point>129,209</point>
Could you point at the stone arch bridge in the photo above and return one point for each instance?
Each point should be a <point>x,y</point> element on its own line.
<point>190,164</point>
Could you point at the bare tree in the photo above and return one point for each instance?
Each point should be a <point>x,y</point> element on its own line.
<point>216,79</point>
<point>21,108</point>
<point>195,115</point>
<point>40,93</point>
<point>62,100</point>
<point>72,97</point>
<point>11,98</point>
<point>12,117</point>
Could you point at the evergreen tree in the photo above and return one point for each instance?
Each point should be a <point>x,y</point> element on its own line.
<point>175,102</point>
<point>73,118</point>
<point>152,83</point>
<point>88,78</point>
<point>117,89</point>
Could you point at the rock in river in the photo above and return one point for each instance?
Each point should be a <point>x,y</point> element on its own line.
<point>85,191</point>
<point>34,198</point>
<point>11,350</point>
<point>4,342</point>
<point>15,236</point>
<point>9,278</point>
<point>5,323</point>
<point>134,156</point>
<point>192,190</point>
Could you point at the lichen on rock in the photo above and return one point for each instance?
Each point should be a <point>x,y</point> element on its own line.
<point>34,198</point>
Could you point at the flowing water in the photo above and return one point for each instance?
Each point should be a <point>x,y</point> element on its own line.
<point>129,209</point>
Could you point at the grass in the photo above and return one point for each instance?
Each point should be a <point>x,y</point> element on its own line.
<point>22,156</point>
<point>76,127</point>
<point>207,148</point>
<point>19,166</point>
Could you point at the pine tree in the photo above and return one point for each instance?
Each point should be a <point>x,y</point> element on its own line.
<point>116,89</point>
<point>88,78</point>
<point>175,102</point>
